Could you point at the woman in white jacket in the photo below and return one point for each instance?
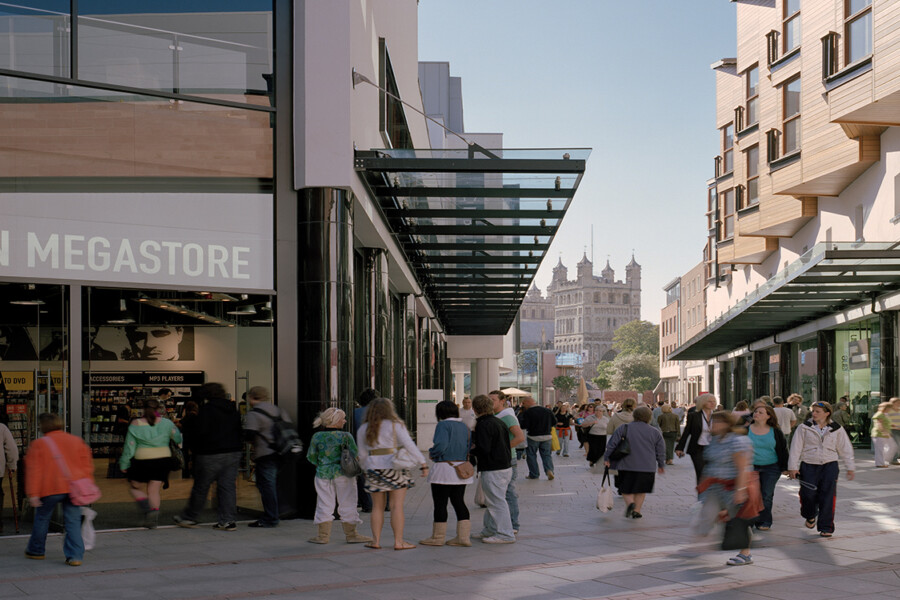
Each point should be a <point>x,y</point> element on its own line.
<point>815,449</point>
<point>379,440</point>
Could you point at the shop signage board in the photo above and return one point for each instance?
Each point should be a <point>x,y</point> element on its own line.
<point>144,378</point>
<point>184,241</point>
<point>17,381</point>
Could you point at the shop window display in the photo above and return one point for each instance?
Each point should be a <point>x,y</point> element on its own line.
<point>858,373</point>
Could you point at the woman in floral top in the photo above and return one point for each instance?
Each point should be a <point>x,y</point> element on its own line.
<point>332,486</point>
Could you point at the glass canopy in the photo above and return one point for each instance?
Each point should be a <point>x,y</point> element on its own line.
<point>475,224</point>
<point>829,278</point>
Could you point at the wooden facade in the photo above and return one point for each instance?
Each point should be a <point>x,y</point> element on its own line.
<point>809,146</point>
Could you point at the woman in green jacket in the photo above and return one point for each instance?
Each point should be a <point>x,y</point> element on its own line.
<point>146,459</point>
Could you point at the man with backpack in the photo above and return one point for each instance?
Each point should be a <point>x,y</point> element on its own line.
<point>260,428</point>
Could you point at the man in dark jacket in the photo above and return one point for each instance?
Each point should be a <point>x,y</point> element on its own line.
<point>538,422</point>
<point>217,455</point>
<point>490,442</point>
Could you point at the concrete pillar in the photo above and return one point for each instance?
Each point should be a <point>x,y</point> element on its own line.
<point>460,387</point>
<point>482,382</point>
<point>493,375</point>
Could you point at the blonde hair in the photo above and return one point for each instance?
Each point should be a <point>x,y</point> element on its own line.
<point>329,417</point>
<point>665,408</point>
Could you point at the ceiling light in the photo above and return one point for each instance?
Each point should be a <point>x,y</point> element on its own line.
<point>29,297</point>
<point>265,314</point>
<point>124,316</point>
<point>246,309</point>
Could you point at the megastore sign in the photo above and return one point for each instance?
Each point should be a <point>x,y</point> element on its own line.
<point>190,241</point>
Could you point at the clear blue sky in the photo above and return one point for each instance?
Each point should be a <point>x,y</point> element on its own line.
<point>630,80</point>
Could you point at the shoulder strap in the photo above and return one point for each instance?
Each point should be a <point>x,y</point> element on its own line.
<point>59,459</point>
<point>275,418</point>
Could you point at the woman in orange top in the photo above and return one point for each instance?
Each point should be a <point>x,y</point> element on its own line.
<point>46,486</point>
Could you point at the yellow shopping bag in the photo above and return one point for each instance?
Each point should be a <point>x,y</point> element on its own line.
<point>554,443</point>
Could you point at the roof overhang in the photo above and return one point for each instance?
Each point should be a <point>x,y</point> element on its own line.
<point>828,279</point>
<point>474,224</point>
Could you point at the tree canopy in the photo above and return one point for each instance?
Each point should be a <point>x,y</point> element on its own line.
<point>564,384</point>
<point>628,372</point>
<point>637,337</point>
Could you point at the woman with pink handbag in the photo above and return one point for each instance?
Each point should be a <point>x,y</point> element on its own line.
<point>52,464</point>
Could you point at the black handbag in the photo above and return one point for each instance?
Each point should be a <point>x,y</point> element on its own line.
<point>623,448</point>
<point>737,534</point>
<point>177,456</point>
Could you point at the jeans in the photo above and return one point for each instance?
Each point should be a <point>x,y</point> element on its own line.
<point>819,503</point>
<point>531,457</point>
<point>497,521</point>
<point>267,484</point>
<point>512,499</point>
<point>564,435</point>
<point>768,477</point>
<point>895,435</point>
<point>73,545</point>
<point>223,469</point>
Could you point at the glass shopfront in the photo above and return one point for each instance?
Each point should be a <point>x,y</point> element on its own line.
<point>858,374</point>
<point>806,372</point>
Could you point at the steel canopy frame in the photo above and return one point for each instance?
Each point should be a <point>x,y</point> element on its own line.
<point>473,223</point>
<point>831,277</point>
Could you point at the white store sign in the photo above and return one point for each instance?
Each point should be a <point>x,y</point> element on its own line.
<point>187,241</point>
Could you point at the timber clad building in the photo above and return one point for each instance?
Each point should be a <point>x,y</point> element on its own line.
<point>803,254</point>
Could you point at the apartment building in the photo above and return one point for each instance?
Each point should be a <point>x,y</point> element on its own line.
<point>802,264</point>
<point>682,318</point>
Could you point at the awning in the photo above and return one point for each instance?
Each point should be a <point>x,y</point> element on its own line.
<point>828,279</point>
<point>475,224</point>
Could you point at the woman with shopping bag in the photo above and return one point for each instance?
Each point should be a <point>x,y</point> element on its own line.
<point>52,464</point>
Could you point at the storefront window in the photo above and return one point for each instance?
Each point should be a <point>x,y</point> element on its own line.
<point>807,370</point>
<point>773,373</point>
<point>138,343</point>
<point>34,350</point>
<point>858,369</point>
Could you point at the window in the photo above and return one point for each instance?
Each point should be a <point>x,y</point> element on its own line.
<point>857,30</point>
<point>752,94</point>
<point>711,196</point>
<point>791,26</point>
<point>791,116</point>
<point>727,211</point>
<point>392,118</point>
<point>728,148</point>
<point>752,157</point>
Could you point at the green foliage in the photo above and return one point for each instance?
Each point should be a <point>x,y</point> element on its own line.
<point>637,337</point>
<point>564,384</point>
<point>634,371</point>
<point>605,371</point>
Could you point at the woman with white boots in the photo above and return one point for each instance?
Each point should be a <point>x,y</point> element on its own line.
<point>450,452</point>
<point>332,486</point>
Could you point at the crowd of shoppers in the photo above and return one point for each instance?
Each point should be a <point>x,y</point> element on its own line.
<point>738,456</point>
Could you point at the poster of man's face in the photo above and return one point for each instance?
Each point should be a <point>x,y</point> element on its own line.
<point>143,342</point>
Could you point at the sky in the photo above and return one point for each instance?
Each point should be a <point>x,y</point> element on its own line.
<point>632,80</point>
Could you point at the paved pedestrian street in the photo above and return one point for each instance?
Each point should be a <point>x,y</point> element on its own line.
<point>565,549</point>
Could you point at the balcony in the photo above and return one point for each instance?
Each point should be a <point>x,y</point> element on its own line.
<point>778,216</point>
<point>743,250</point>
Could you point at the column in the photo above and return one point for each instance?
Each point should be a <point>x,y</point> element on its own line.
<point>888,324</point>
<point>826,366</point>
<point>377,320</point>
<point>493,379</point>
<point>785,370</point>
<point>482,377</point>
<point>325,306</point>
<point>460,387</point>
<point>411,359</point>
<point>77,418</point>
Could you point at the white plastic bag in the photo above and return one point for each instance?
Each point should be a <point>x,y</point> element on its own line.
<point>88,533</point>
<point>605,497</point>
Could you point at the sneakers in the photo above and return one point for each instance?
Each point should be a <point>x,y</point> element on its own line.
<point>230,526</point>
<point>151,518</point>
<point>550,475</point>
<point>33,556</point>
<point>73,562</point>
<point>260,524</point>
<point>481,535</point>
<point>184,522</point>
<point>740,560</point>
<point>496,540</point>
<point>531,477</point>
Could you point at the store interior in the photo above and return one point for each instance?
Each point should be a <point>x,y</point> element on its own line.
<point>134,343</point>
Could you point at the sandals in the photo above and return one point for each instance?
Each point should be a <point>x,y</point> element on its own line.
<point>825,534</point>
<point>373,546</point>
<point>740,560</point>
<point>405,546</point>
<point>810,523</point>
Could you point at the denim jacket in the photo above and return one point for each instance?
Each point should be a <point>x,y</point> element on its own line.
<point>451,441</point>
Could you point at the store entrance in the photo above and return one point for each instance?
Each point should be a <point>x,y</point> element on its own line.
<point>141,345</point>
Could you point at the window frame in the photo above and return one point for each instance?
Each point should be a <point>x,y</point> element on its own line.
<point>751,98</point>
<point>727,151</point>
<point>786,22</point>
<point>727,217</point>
<point>790,119</point>
<point>849,19</point>
<point>748,200</point>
